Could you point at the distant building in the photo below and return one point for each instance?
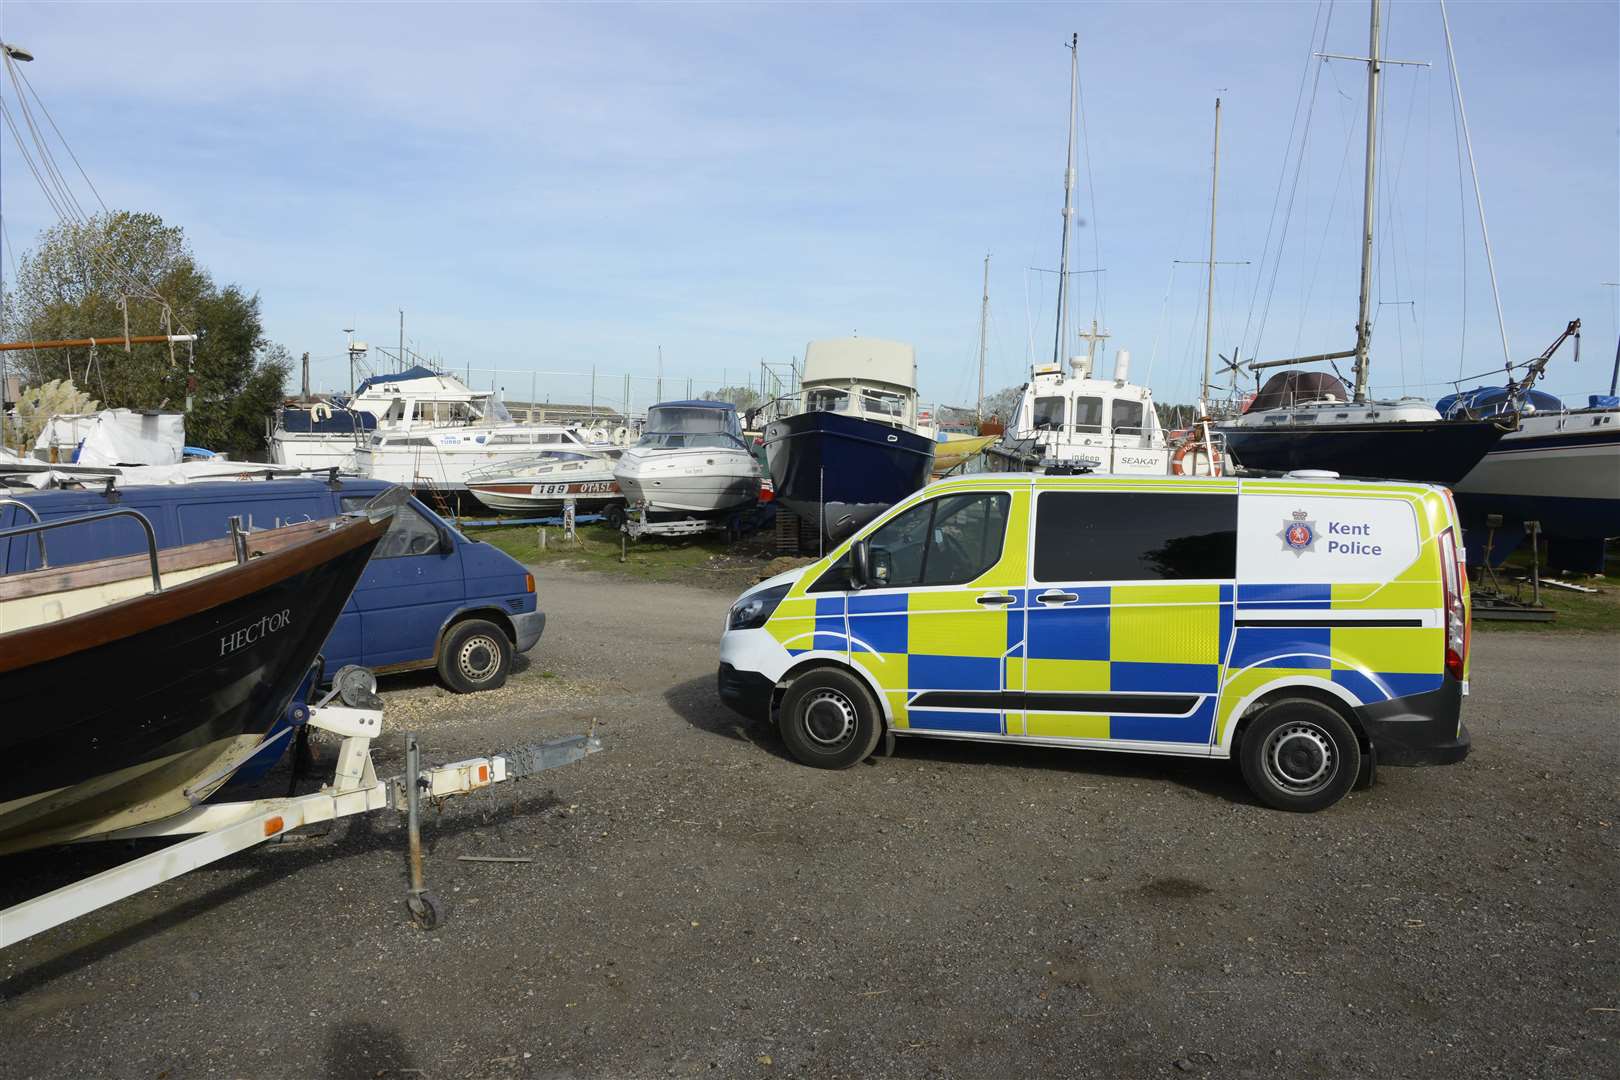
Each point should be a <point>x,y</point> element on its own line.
<point>555,412</point>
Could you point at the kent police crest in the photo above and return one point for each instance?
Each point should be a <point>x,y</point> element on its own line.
<point>1298,535</point>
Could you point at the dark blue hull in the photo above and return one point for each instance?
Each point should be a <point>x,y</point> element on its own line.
<point>1433,451</point>
<point>841,470</point>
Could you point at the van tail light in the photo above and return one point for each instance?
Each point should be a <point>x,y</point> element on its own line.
<point>1453,577</point>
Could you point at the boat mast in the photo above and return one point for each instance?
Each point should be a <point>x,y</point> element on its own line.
<point>1209,303</point>
<point>984,329</point>
<point>1062,334</point>
<point>1369,196</point>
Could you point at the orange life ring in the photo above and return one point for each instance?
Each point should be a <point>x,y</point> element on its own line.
<point>1180,465</point>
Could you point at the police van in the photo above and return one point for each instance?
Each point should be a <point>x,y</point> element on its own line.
<point>1311,627</point>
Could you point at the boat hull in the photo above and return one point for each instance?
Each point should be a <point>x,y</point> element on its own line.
<point>702,481</point>
<point>1561,470</point>
<point>1435,451</point>
<point>843,471</point>
<point>517,496</point>
<point>132,712</point>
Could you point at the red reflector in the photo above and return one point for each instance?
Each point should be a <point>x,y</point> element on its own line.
<point>483,774</point>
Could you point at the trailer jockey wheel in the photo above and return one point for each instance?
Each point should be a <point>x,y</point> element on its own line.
<point>427,910</point>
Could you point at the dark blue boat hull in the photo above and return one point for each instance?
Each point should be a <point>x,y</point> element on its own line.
<point>1432,451</point>
<point>841,470</point>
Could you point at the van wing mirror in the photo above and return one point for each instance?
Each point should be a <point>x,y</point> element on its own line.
<point>860,564</point>
<point>447,545</point>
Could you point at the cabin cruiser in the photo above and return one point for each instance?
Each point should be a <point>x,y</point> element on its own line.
<point>544,481</point>
<point>853,450</point>
<point>438,457</point>
<point>326,433</point>
<point>690,459</point>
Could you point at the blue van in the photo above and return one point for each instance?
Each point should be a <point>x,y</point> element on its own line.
<point>431,598</point>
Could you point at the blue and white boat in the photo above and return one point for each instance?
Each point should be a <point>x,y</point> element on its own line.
<point>1561,468</point>
<point>853,449</point>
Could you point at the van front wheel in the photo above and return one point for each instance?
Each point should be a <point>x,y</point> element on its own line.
<point>1300,755</point>
<point>829,720</point>
<point>476,656</point>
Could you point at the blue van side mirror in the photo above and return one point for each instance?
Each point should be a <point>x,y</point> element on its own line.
<point>447,545</point>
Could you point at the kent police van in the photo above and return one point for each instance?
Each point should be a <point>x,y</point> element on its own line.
<point>1309,626</point>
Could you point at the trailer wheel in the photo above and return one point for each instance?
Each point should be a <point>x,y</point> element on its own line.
<point>828,719</point>
<point>614,515</point>
<point>1300,755</point>
<point>476,656</point>
<point>427,911</point>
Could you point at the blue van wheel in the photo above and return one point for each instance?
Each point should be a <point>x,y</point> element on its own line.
<point>476,656</point>
<point>829,720</point>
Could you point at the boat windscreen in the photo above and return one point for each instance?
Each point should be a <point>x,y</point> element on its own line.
<point>676,440</point>
<point>676,420</point>
<point>495,411</point>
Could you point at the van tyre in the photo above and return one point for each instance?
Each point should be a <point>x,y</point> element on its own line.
<point>476,656</point>
<point>1300,755</point>
<point>829,720</point>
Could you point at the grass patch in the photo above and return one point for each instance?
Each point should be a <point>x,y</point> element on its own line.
<point>596,547</point>
<point>1591,613</point>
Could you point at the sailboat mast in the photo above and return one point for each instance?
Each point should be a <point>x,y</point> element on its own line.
<point>1062,334</point>
<point>1369,198</point>
<point>984,338</point>
<point>1209,303</point>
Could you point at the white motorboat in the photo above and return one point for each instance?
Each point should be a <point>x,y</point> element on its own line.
<point>544,481</point>
<point>690,459</point>
<point>442,457</point>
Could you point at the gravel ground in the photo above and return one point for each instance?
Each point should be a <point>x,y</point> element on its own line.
<point>698,905</point>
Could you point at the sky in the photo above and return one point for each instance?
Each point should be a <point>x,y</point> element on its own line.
<point>557,188</point>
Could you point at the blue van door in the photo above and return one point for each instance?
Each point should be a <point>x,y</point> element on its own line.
<point>409,591</point>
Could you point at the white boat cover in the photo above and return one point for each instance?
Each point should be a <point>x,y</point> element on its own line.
<point>115,437</point>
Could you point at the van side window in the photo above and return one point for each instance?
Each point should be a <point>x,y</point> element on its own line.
<point>409,534</point>
<point>1134,536</point>
<point>946,541</point>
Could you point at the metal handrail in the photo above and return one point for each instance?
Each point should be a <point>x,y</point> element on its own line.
<point>100,515</point>
<point>44,563</point>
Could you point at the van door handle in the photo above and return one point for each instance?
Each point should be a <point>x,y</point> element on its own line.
<point>995,599</point>
<point>1057,596</point>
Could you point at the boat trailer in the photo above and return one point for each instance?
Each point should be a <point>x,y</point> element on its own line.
<point>218,830</point>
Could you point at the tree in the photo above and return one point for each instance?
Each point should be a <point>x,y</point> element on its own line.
<point>79,281</point>
<point>744,397</point>
<point>1003,403</point>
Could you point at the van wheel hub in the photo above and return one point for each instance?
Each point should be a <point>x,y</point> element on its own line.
<point>479,658</point>
<point>1300,758</point>
<point>830,719</point>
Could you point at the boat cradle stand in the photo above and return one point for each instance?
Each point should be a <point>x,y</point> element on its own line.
<point>218,830</point>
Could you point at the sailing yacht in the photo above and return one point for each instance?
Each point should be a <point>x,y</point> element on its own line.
<point>1310,420</point>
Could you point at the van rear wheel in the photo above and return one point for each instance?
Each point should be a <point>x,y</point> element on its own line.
<point>476,656</point>
<point>828,719</point>
<point>1300,755</point>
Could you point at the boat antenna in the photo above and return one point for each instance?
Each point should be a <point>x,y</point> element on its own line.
<point>984,327</point>
<point>1061,336</point>
<point>1209,303</point>
<point>1369,197</point>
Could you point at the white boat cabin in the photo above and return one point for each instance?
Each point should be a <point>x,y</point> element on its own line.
<point>1076,419</point>
<point>864,378</point>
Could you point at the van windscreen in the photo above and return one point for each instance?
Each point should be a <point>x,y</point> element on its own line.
<point>1134,536</point>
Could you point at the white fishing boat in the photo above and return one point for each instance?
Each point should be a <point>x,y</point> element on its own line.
<point>544,481</point>
<point>690,459</point>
